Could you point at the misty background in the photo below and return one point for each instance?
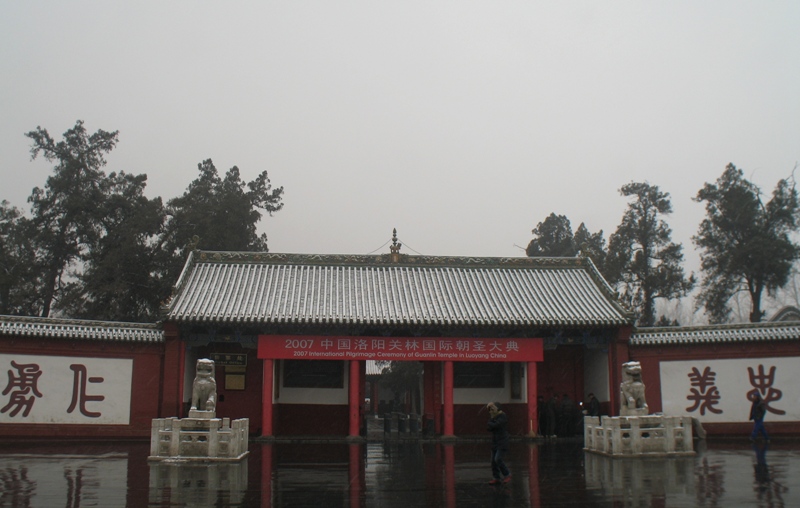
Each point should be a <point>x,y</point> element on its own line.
<point>461,124</point>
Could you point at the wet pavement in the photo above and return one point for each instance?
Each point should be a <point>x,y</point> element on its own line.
<point>397,473</point>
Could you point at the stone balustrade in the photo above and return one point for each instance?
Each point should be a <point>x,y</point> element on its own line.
<point>651,435</point>
<point>209,439</point>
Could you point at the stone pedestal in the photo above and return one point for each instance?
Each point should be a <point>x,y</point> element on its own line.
<point>636,436</point>
<point>201,437</point>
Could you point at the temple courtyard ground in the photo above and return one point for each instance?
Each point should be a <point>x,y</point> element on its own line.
<point>397,472</point>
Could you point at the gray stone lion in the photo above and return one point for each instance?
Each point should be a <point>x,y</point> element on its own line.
<point>204,388</point>
<point>632,401</point>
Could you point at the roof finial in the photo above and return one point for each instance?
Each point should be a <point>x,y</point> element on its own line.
<point>395,247</point>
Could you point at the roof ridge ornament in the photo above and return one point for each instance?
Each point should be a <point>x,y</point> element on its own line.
<point>395,247</point>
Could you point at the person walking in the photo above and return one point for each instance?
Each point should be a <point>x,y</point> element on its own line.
<point>566,424</point>
<point>590,408</point>
<point>593,406</point>
<point>498,426</point>
<point>540,410</point>
<point>757,412</point>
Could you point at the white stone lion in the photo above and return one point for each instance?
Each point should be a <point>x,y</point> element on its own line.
<point>204,388</point>
<point>632,401</point>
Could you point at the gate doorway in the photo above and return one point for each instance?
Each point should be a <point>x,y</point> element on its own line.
<point>399,387</point>
<point>562,378</point>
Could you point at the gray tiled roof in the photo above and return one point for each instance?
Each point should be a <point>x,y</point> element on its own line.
<point>759,332</point>
<point>373,369</point>
<point>266,288</point>
<point>54,328</point>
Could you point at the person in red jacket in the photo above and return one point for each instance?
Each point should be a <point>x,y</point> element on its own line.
<point>498,426</point>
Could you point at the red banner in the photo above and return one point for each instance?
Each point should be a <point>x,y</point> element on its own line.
<point>320,347</point>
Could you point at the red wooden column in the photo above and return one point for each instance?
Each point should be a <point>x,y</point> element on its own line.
<point>172,387</point>
<point>362,390</point>
<point>617,355</point>
<point>182,378</point>
<point>433,393</point>
<point>438,403</point>
<point>354,392</point>
<point>448,399</point>
<point>533,409</point>
<point>266,397</point>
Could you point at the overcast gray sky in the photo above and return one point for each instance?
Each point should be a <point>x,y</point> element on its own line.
<point>462,124</point>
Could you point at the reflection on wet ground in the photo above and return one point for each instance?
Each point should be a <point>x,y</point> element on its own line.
<point>396,474</point>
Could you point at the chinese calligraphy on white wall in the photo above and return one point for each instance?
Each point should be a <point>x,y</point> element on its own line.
<point>61,389</point>
<point>722,390</point>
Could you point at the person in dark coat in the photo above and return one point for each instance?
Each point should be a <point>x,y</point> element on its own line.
<point>566,424</point>
<point>757,412</point>
<point>593,406</point>
<point>498,426</point>
<point>551,417</point>
<point>540,410</point>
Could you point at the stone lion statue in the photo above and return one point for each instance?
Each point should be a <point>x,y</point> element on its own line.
<point>632,402</point>
<point>204,388</point>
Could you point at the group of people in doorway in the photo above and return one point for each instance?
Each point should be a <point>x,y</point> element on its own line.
<point>562,417</point>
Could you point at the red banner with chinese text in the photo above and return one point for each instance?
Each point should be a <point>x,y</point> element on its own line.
<point>400,348</point>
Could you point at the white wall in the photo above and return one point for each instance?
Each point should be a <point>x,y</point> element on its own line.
<point>66,390</point>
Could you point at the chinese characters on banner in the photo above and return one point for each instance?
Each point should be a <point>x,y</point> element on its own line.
<point>717,391</point>
<point>400,348</point>
<point>64,389</point>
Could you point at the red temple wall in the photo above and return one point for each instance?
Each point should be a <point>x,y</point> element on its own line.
<point>651,357</point>
<point>145,387</point>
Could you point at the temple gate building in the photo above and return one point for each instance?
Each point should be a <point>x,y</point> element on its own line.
<point>484,328</point>
<point>291,336</point>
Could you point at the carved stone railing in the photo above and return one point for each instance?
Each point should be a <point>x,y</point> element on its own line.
<point>652,435</point>
<point>212,439</point>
